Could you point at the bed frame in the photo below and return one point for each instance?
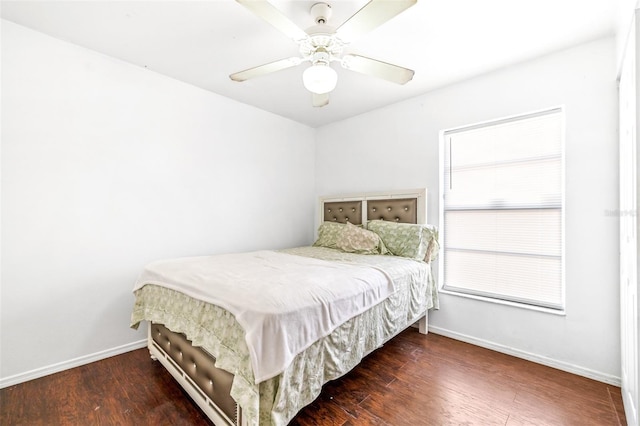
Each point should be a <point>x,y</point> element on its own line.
<point>193,368</point>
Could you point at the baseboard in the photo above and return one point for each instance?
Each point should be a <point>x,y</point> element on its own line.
<point>66,365</point>
<point>549,362</point>
<point>87,359</point>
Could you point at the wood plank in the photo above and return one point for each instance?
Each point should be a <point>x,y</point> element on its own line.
<point>412,380</point>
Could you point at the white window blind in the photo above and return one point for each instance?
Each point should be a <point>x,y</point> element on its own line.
<point>503,210</point>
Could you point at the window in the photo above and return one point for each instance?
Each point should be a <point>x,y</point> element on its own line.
<point>502,209</point>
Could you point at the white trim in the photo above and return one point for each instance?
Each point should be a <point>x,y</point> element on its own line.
<point>560,312</point>
<point>629,408</point>
<point>556,109</point>
<point>504,119</point>
<point>539,359</point>
<point>72,363</point>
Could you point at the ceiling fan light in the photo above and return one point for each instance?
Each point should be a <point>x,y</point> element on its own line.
<point>320,79</point>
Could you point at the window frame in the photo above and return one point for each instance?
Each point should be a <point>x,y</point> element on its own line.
<point>561,110</point>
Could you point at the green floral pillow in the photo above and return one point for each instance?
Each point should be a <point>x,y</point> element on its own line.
<point>328,234</point>
<point>419,242</point>
<point>357,240</point>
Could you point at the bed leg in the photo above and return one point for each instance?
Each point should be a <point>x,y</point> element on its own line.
<point>423,324</point>
<point>150,343</point>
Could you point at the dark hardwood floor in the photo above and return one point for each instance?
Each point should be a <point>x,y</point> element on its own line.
<point>413,380</point>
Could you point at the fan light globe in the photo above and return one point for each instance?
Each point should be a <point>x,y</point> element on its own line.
<point>320,79</point>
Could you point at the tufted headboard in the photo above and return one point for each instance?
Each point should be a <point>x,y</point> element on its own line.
<point>343,211</point>
<point>403,210</point>
<point>408,206</point>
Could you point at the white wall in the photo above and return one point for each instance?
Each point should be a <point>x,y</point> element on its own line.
<point>626,10</point>
<point>397,147</point>
<point>107,166</point>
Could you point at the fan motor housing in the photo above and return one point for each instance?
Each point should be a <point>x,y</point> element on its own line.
<point>321,37</point>
<point>321,13</point>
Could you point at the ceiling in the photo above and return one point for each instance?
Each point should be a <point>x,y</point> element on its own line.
<point>202,42</point>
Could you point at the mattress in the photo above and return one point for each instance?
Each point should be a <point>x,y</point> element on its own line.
<point>276,401</point>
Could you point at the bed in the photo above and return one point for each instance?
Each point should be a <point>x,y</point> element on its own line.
<point>234,370</point>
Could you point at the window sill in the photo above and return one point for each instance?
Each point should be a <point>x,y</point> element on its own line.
<point>559,312</point>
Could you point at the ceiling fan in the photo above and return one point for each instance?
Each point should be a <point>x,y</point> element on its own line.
<point>322,44</point>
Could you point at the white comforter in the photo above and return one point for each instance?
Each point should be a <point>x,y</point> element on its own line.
<point>284,302</point>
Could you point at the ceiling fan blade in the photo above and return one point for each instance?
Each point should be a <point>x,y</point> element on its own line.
<point>375,68</point>
<point>372,15</point>
<point>265,69</point>
<point>320,100</point>
<point>272,15</point>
